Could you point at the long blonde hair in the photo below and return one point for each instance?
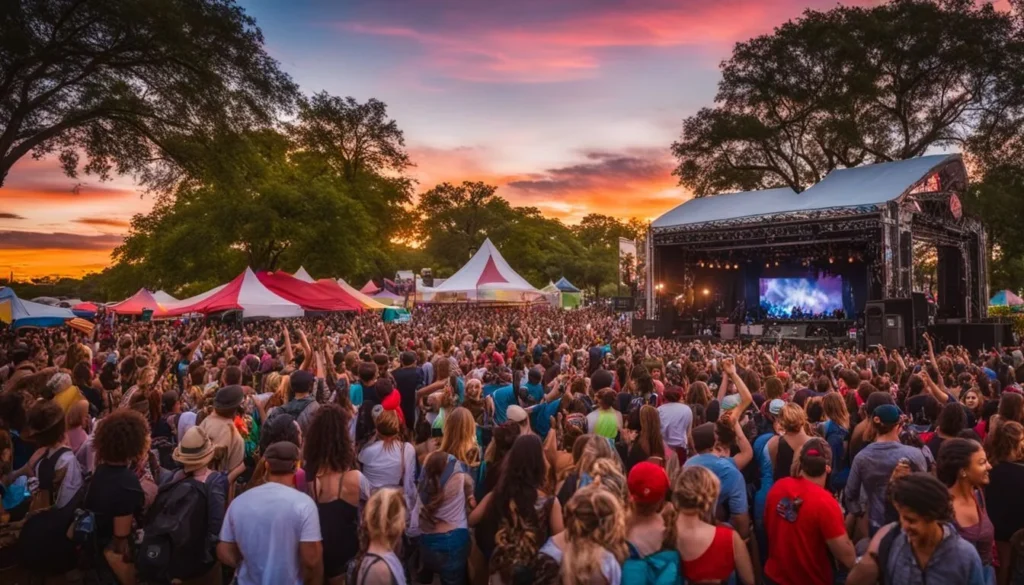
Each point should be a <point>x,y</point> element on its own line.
<point>459,437</point>
<point>595,521</point>
<point>383,521</point>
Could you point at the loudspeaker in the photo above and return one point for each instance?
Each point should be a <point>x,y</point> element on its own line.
<point>892,331</point>
<point>874,315</point>
<point>920,302</point>
<point>905,309</point>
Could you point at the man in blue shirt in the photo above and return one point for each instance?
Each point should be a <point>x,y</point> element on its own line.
<point>714,456</point>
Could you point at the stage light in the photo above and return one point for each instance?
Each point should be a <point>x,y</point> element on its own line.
<point>767,265</point>
<point>660,286</point>
<point>850,259</point>
<point>831,260</point>
<point>776,262</point>
<point>701,264</point>
<point>736,266</point>
<point>706,292</point>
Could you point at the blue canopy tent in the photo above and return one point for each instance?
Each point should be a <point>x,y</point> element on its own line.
<point>1005,298</point>
<point>29,314</point>
<point>566,286</point>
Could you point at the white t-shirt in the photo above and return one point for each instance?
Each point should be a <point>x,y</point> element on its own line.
<point>383,468</point>
<point>268,523</point>
<point>72,481</point>
<point>676,419</point>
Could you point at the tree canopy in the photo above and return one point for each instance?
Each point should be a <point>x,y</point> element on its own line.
<point>131,83</point>
<point>851,86</point>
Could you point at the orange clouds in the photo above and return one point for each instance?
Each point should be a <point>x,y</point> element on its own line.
<point>632,183</point>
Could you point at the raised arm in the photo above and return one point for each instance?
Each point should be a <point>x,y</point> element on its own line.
<point>307,351</point>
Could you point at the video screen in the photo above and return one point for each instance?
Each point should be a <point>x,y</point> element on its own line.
<point>794,298</point>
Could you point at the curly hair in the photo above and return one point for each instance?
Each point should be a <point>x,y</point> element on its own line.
<point>594,521</point>
<point>922,493</point>
<point>121,436</point>
<point>696,489</point>
<point>520,533</point>
<point>328,445</point>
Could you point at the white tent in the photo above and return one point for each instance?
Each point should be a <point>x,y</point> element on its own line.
<point>304,276</point>
<point>163,298</point>
<point>245,293</point>
<point>487,277</point>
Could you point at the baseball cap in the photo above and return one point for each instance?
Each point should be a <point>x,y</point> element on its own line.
<point>775,406</point>
<point>516,413</point>
<point>888,414</point>
<point>281,457</point>
<point>730,402</point>
<point>648,483</point>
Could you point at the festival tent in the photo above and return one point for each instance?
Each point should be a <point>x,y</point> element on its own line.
<point>171,309</point>
<point>388,298</point>
<point>370,288</point>
<point>136,304</point>
<point>1005,298</point>
<point>164,298</point>
<point>85,310</point>
<point>366,301</point>
<point>566,286</point>
<point>487,277</point>
<point>20,313</point>
<point>245,293</point>
<point>304,276</point>
<point>396,314</point>
<point>309,296</point>
<point>571,296</point>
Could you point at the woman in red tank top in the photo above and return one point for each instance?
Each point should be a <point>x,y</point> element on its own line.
<point>709,553</point>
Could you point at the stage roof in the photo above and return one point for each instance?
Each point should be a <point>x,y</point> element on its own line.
<point>865,186</point>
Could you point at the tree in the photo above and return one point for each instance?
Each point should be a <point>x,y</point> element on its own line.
<point>851,86</point>
<point>125,81</point>
<point>454,220</point>
<point>272,213</point>
<point>599,235</point>
<point>997,199</point>
<point>365,148</point>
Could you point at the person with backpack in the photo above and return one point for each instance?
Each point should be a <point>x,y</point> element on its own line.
<point>182,526</point>
<point>302,405</point>
<point>60,476</point>
<point>271,533</point>
<point>653,559</point>
<point>804,523</point>
<point>924,545</point>
<point>593,545</point>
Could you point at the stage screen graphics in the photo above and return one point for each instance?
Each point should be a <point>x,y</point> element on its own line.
<point>784,298</point>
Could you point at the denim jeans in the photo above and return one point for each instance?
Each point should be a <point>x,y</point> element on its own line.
<point>445,554</point>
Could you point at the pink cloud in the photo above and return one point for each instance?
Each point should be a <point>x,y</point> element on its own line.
<point>573,46</point>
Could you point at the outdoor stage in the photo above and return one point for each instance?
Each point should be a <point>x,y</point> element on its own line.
<point>836,257</point>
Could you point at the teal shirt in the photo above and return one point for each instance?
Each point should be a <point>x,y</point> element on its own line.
<point>355,394</point>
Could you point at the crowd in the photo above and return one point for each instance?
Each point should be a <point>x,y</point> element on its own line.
<point>502,445</point>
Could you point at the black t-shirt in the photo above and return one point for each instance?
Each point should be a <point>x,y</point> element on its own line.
<point>1002,499</point>
<point>114,492</point>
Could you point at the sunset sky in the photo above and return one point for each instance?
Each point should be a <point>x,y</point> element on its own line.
<point>568,105</point>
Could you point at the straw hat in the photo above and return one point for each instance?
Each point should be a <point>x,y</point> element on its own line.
<point>195,449</point>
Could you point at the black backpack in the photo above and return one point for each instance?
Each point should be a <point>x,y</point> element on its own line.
<point>43,544</point>
<point>885,549</point>
<point>174,543</point>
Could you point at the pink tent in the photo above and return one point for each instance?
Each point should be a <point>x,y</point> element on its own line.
<point>369,288</point>
<point>245,293</point>
<point>136,304</point>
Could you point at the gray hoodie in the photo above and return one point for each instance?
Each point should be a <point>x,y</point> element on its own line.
<point>954,561</point>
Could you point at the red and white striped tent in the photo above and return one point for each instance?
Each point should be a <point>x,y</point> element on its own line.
<point>245,293</point>
<point>136,304</point>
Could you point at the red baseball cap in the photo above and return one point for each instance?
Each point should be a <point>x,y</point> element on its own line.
<point>648,483</point>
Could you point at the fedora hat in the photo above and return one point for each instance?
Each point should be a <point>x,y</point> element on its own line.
<point>195,449</point>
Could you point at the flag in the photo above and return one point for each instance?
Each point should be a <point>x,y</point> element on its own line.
<point>5,311</point>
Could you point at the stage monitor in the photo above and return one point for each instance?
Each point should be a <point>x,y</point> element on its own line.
<point>788,298</point>
<point>623,304</point>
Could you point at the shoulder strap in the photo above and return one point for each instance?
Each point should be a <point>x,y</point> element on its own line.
<point>885,549</point>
